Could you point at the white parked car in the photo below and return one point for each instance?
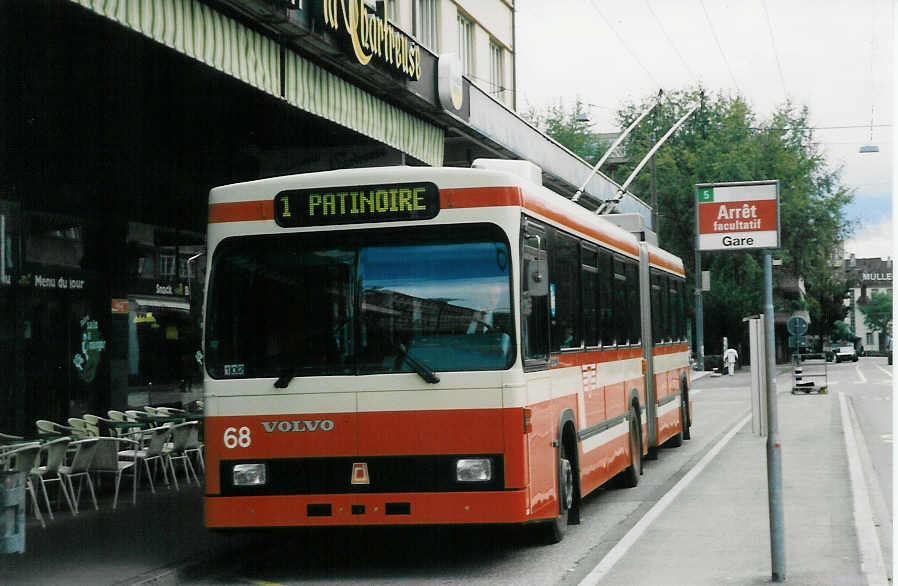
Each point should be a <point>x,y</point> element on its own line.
<point>846,353</point>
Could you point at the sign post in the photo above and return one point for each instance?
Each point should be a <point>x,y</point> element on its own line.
<point>745,216</point>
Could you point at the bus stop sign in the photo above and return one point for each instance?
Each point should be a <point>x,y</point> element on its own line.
<point>737,216</point>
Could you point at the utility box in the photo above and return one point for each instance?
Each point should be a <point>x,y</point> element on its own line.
<point>758,357</point>
<point>12,512</point>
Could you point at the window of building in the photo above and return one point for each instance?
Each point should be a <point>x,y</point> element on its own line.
<point>465,44</point>
<point>391,10</point>
<point>166,265</point>
<point>497,77</point>
<point>424,22</point>
<point>869,338</point>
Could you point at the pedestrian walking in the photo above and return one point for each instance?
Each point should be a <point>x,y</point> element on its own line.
<point>729,359</point>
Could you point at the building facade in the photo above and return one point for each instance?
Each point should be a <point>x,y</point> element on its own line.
<point>866,277</point>
<point>118,116</point>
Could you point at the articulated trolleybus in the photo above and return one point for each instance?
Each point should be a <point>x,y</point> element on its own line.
<point>413,345</point>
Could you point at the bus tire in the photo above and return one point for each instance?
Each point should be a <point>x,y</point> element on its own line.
<point>553,530</point>
<point>684,413</point>
<point>630,476</point>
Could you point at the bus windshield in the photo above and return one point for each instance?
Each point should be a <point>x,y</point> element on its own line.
<point>360,302</point>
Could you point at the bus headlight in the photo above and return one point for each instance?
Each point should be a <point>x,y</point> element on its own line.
<point>249,475</point>
<point>474,470</point>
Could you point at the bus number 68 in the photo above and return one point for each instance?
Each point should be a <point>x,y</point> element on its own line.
<point>234,437</point>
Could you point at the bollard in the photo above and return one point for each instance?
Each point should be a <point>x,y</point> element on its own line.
<point>12,512</point>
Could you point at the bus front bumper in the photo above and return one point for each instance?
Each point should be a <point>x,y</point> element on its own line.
<point>434,508</point>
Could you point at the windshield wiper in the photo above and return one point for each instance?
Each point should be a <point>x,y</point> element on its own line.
<point>284,380</point>
<point>422,369</point>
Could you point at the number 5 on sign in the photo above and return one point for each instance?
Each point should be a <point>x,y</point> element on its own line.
<point>234,437</point>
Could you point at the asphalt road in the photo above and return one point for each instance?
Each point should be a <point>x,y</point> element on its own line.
<point>480,555</point>
<point>869,385</point>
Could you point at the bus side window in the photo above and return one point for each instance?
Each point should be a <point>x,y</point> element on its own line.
<point>534,299</point>
<point>565,283</point>
<point>605,278</point>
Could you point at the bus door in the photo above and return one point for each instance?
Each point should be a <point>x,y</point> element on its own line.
<point>535,357</point>
<point>645,309</point>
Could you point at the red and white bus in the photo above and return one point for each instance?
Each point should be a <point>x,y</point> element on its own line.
<point>416,345</point>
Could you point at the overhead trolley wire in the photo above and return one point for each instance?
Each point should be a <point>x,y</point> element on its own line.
<point>670,41</point>
<point>719,47</point>
<point>776,53</point>
<point>595,7</point>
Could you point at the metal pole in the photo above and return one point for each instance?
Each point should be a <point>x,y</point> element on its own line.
<point>699,316</point>
<point>611,203</point>
<point>774,459</point>
<point>614,145</point>
<point>655,218</point>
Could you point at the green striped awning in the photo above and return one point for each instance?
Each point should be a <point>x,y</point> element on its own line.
<point>198,31</point>
<point>320,92</point>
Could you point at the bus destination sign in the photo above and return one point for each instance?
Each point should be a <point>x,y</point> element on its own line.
<point>358,204</point>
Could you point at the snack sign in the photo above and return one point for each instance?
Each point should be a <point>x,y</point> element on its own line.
<point>737,216</point>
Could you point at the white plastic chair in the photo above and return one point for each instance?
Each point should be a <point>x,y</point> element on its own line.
<point>107,461</point>
<point>80,468</point>
<point>92,422</point>
<point>47,427</point>
<point>195,446</point>
<point>49,473</point>
<point>154,451</point>
<point>80,429</point>
<point>25,459</point>
<point>180,437</point>
<point>169,411</point>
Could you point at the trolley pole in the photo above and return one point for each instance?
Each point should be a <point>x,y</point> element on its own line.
<point>699,315</point>
<point>774,455</point>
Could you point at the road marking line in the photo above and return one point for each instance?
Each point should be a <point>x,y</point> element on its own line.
<point>885,370</point>
<point>872,565</point>
<point>627,541</point>
<point>860,374</point>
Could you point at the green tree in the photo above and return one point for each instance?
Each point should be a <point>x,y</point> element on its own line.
<point>569,127</point>
<point>725,141</point>
<point>826,295</point>
<point>878,313</point>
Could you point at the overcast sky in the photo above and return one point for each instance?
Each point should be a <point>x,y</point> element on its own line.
<point>835,56</point>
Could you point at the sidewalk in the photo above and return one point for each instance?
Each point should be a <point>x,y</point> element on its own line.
<point>716,531</point>
<point>117,546</point>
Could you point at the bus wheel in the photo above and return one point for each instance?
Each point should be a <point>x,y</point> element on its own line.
<point>687,423</point>
<point>553,530</point>
<point>630,476</point>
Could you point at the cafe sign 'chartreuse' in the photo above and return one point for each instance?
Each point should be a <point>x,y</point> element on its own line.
<point>350,205</point>
<point>372,36</point>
